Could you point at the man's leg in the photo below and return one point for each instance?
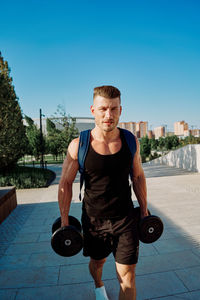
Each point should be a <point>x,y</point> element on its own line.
<point>126,277</point>
<point>96,269</point>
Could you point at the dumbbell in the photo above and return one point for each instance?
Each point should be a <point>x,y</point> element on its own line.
<point>150,228</point>
<point>68,240</point>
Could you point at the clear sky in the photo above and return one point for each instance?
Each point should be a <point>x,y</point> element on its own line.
<point>58,51</point>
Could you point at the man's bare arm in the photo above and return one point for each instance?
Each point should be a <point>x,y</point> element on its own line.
<point>139,182</point>
<point>69,171</point>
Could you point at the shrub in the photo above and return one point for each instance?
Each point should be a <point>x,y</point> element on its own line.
<point>26,177</point>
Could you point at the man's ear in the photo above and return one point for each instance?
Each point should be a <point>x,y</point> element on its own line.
<point>92,109</point>
<point>120,110</point>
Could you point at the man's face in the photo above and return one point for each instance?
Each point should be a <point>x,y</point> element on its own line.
<point>106,112</point>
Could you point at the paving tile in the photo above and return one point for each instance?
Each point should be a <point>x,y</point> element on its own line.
<point>166,262</point>
<point>109,270</point>
<point>52,259</point>
<point>8,294</point>
<point>29,277</point>
<point>29,248</point>
<point>195,295</point>
<point>167,234</point>
<point>196,251</point>
<point>74,274</point>
<point>26,238</point>
<point>112,288</point>
<point>176,244</point>
<point>35,229</point>
<point>46,260</point>
<point>41,293</point>
<point>44,237</point>
<point>14,261</point>
<point>157,285</point>
<point>78,292</point>
<point>147,250</point>
<point>190,277</point>
<point>185,296</point>
<point>35,222</point>
<point>149,286</point>
<point>67,292</point>
<point>3,248</point>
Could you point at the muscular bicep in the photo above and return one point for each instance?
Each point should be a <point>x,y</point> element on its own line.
<point>70,165</point>
<point>69,170</point>
<point>137,163</point>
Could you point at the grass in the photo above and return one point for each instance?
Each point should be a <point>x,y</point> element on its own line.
<point>26,177</point>
<point>48,158</point>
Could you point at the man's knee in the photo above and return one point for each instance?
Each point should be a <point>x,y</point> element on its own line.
<point>97,263</point>
<point>126,275</point>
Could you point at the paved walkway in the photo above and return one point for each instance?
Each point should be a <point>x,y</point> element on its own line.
<point>168,269</point>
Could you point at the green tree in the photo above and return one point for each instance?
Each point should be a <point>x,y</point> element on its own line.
<point>175,141</point>
<point>54,139</point>
<point>34,139</point>
<point>12,130</point>
<point>168,142</point>
<point>145,148</point>
<point>154,144</point>
<point>67,125</point>
<point>161,143</point>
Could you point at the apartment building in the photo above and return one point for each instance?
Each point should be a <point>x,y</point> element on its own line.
<point>139,129</point>
<point>181,128</point>
<point>159,132</point>
<point>131,126</point>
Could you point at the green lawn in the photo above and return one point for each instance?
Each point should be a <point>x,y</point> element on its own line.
<point>48,158</point>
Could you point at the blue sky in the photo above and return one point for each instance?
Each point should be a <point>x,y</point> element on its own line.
<point>58,51</point>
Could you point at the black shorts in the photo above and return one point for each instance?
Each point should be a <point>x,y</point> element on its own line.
<point>103,236</point>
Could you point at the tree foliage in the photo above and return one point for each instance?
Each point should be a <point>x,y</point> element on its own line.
<point>145,148</point>
<point>61,129</point>
<point>12,130</point>
<point>35,144</point>
<point>54,139</point>
<point>67,125</point>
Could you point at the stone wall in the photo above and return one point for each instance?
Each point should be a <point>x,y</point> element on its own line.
<point>8,201</point>
<point>187,157</point>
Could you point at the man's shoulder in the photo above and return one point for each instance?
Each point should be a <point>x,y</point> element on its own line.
<point>73,148</point>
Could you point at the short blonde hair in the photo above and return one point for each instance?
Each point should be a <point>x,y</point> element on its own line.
<point>107,91</point>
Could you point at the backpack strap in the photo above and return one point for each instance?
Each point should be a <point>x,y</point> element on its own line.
<point>84,141</point>
<point>131,142</point>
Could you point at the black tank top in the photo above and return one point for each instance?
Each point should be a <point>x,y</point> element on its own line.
<point>107,190</point>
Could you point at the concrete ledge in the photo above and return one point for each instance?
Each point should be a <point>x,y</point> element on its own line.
<point>187,158</point>
<point>8,201</point>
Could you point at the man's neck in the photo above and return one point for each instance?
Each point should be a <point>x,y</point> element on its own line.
<point>105,136</point>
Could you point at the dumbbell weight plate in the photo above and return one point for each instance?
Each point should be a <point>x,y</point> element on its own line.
<point>67,241</point>
<point>56,224</point>
<point>150,229</point>
<point>72,221</point>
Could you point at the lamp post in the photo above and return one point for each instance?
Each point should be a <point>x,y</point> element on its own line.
<point>41,140</point>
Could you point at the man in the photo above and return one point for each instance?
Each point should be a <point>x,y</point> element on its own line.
<point>107,215</point>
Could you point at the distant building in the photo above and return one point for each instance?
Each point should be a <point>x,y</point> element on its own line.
<point>139,129</point>
<point>180,127</point>
<point>159,132</point>
<point>150,134</point>
<point>169,133</point>
<point>195,132</point>
<point>82,123</point>
<point>131,126</point>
